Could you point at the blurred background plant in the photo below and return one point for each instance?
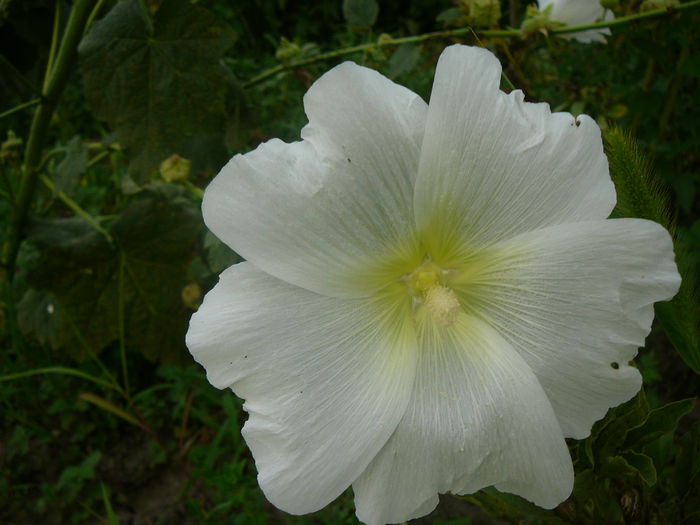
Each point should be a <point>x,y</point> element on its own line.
<point>116,114</point>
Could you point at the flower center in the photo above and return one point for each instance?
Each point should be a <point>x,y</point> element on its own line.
<point>426,285</point>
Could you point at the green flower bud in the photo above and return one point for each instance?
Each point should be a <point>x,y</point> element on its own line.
<point>485,13</point>
<point>536,20</point>
<point>385,39</point>
<point>9,150</point>
<point>191,295</point>
<point>287,50</point>
<point>175,168</point>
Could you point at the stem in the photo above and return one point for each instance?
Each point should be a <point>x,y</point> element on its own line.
<point>514,13</point>
<point>623,20</point>
<point>120,320</point>
<point>489,33</point>
<point>75,207</point>
<point>15,109</point>
<point>54,44</point>
<point>57,79</point>
<point>63,371</point>
<point>93,15</point>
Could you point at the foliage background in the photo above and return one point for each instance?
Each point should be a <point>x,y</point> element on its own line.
<point>105,418</point>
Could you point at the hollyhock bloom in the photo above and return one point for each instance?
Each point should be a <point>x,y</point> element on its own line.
<point>579,12</point>
<point>433,298</point>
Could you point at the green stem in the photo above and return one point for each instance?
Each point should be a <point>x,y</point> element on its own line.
<point>489,33</point>
<point>514,15</point>
<point>623,20</point>
<point>37,134</point>
<point>75,207</point>
<point>97,158</point>
<point>93,15</point>
<point>54,44</point>
<point>60,370</point>
<point>120,322</point>
<point>15,109</point>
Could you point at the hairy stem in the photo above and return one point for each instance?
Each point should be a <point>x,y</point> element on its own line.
<point>489,33</point>
<point>57,77</point>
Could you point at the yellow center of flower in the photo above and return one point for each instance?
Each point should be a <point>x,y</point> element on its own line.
<point>427,286</point>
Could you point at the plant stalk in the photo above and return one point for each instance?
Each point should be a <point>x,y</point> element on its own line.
<point>489,33</point>
<point>57,77</point>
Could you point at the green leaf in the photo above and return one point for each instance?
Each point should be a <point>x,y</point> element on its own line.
<point>72,166</point>
<point>510,506</point>
<point>218,255</point>
<point>404,59</point>
<point>611,433</point>
<point>687,471</point>
<point>37,316</point>
<point>680,317</point>
<point>452,16</point>
<point>642,465</point>
<point>72,478</point>
<point>158,82</point>
<point>360,13</point>
<point>660,421</point>
<point>111,516</point>
<point>142,276</point>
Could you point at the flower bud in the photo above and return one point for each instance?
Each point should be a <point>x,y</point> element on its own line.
<point>191,295</point>
<point>287,51</point>
<point>484,13</point>
<point>175,168</point>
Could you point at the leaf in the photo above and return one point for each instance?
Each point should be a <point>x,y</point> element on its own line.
<point>218,255</point>
<point>109,407</point>
<point>141,277</point>
<point>72,166</point>
<point>510,506</point>
<point>688,461</point>
<point>452,16</point>
<point>73,477</point>
<point>612,431</point>
<point>660,421</point>
<point>111,516</point>
<point>642,465</point>
<point>680,317</point>
<point>360,13</point>
<point>36,315</point>
<point>157,81</point>
<point>404,59</point>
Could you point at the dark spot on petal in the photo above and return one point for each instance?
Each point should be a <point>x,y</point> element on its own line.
<point>349,160</point>
<point>615,365</point>
<point>245,357</point>
<point>578,123</point>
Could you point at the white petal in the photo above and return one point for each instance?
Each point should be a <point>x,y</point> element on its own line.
<point>577,301</point>
<point>324,212</point>
<point>579,12</point>
<point>493,166</point>
<point>477,417</point>
<point>325,380</point>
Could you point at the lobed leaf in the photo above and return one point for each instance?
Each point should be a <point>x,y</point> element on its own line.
<point>157,81</point>
<point>660,421</point>
<point>91,283</point>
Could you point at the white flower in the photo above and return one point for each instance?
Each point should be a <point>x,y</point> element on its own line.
<point>579,12</point>
<point>433,298</point>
